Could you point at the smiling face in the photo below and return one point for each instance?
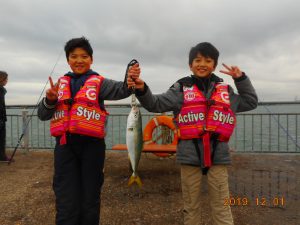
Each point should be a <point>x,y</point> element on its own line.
<point>80,61</point>
<point>202,66</point>
<point>5,82</point>
<point>3,78</point>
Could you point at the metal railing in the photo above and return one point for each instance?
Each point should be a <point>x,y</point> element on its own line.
<point>255,132</point>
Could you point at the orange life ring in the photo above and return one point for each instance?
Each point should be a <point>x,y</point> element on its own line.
<point>159,121</point>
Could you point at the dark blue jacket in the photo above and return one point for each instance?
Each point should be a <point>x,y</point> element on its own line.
<point>2,104</point>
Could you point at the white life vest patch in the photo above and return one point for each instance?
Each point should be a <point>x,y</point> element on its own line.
<point>189,96</point>
<point>62,86</point>
<point>225,97</point>
<point>91,93</point>
<point>185,88</point>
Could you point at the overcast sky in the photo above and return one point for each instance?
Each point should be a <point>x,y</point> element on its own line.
<point>262,37</point>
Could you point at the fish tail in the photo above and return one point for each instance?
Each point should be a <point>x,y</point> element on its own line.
<point>135,179</point>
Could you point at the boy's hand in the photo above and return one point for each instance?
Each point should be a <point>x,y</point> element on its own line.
<point>52,92</point>
<point>137,84</point>
<point>133,80</point>
<point>232,71</point>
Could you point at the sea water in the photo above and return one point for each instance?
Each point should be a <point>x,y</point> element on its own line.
<point>268,128</point>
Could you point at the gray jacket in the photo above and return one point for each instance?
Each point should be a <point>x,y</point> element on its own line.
<point>172,100</point>
<point>109,90</point>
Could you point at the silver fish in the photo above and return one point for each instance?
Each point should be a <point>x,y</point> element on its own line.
<point>134,140</point>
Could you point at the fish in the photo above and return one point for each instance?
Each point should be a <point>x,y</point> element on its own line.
<point>134,140</point>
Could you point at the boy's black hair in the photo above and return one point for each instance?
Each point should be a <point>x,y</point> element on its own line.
<point>206,49</point>
<point>3,76</point>
<point>81,42</point>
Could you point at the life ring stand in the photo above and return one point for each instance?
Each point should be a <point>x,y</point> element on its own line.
<point>154,123</point>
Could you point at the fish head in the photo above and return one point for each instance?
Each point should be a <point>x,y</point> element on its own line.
<point>134,116</point>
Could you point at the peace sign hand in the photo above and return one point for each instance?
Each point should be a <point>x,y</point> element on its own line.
<point>52,92</point>
<point>232,71</point>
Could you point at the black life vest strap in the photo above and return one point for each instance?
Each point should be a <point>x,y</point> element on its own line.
<point>195,141</point>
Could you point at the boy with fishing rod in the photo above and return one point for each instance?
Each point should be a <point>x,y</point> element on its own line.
<point>75,105</point>
<point>204,111</point>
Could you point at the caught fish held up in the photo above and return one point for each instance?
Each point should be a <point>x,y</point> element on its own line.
<point>134,138</point>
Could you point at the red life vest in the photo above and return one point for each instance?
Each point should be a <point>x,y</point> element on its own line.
<point>84,116</point>
<point>200,117</point>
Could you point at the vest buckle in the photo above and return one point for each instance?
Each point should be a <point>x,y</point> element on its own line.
<point>210,102</point>
<point>90,104</point>
<point>68,101</point>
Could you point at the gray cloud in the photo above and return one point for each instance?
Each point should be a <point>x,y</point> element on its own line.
<point>262,37</point>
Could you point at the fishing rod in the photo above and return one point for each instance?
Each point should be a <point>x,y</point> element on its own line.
<point>281,126</point>
<point>29,119</point>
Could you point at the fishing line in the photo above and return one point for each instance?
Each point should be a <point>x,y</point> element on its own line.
<point>282,127</point>
<point>33,111</point>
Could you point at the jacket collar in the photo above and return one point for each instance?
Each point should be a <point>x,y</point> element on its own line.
<point>88,73</point>
<point>211,78</point>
